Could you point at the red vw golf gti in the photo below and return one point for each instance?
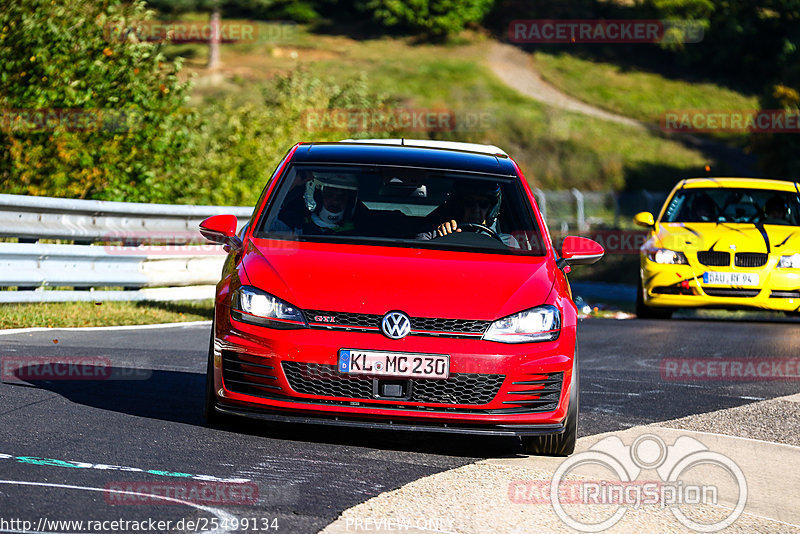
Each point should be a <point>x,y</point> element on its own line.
<point>398,284</point>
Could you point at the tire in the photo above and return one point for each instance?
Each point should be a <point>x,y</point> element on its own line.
<point>560,444</point>
<point>211,416</point>
<point>646,312</point>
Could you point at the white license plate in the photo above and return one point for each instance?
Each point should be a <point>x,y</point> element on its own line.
<point>731,279</point>
<point>398,364</point>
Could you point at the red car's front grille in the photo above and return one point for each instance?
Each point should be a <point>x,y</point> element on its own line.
<point>420,326</point>
<point>460,388</point>
<point>461,393</point>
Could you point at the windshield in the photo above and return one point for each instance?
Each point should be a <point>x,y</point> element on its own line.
<point>421,208</point>
<point>754,206</point>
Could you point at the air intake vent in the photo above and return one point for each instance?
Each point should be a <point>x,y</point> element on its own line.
<point>750,259</point>
<point>713,258</point>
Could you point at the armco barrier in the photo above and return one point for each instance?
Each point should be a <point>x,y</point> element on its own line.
<point>31,217</point>
<point>186,268</point>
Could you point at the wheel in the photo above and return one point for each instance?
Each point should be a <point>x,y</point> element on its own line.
<point>560,444</point>
<point>481,229</point>
<point>646,312</point>
<point>212,417</point>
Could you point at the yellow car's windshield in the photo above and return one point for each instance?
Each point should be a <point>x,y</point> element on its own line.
<point>730,205</point>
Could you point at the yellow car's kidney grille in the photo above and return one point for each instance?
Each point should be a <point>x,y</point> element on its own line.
<point>750,259</point>
<point>714,258</point>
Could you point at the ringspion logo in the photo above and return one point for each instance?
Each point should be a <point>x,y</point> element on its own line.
<point>626,489</point>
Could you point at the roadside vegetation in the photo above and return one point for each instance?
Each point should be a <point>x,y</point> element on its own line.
<point>76,314</point>
<point>636,93</point>
<point>228,127</point>
<point>173,130</point>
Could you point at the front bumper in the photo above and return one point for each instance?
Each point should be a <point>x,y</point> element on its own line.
<point>530,395</point>
<point>447,428</point>
<point>681,286</point>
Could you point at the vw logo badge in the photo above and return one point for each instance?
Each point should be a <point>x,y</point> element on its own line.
<point>395,325</point>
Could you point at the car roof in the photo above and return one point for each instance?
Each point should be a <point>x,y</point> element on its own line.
<point>741,183</point>
<point>406,155</point>
<point>432,143</point>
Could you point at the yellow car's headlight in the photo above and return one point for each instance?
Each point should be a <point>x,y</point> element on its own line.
<point>789,262</point>
<point>666,256</point>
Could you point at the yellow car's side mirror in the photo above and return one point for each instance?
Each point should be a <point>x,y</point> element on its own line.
<point>644,218</point>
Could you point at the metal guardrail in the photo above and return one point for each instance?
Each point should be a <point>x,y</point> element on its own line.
<point>29,217</point>
<point>186,268</point>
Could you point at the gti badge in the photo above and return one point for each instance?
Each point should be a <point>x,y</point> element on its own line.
<point>395,325</point>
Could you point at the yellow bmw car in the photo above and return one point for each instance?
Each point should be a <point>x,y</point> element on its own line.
<point>729,243</point>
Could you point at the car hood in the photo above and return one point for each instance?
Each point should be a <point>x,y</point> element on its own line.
<point>377,279</point>
<point>723,236</point>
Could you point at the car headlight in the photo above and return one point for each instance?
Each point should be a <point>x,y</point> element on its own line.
<point>667,257</point>
<point>789,262</point>
<point>542,323</point>
<point>251,305</point>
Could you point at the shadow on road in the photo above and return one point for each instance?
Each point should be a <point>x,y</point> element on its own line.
<point>177,396</point>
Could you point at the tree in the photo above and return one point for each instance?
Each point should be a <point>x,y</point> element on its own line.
<point>83,114</point>
<point>302,11</point>
<point>436,18</point>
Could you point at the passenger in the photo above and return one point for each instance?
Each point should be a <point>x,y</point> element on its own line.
<point>294,210</point>
<point>334,199</point>
<point>776,211</point>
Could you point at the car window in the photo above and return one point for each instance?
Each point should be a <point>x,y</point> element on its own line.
<point>402,206</point>
<point>734,205</point>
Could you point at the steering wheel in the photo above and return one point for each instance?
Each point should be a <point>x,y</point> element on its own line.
<point>481,229</point>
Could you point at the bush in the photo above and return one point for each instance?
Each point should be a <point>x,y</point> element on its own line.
<point>433,17</point>
<point>240,144</point>
<point>61,56</point>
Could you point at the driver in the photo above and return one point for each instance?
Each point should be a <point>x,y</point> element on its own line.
<point>704,209</point>
<point>472,205</point>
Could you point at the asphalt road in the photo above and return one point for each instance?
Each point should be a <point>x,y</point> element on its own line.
<point>62,443</point>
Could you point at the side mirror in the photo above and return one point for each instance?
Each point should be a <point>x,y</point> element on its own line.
<point>580,251</point>
<point>221,229</point>
<point>644,218</point>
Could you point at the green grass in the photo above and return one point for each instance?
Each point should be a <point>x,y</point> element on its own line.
<point>640,95</point>
<point>72,314</point>
<point>556,149</point>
